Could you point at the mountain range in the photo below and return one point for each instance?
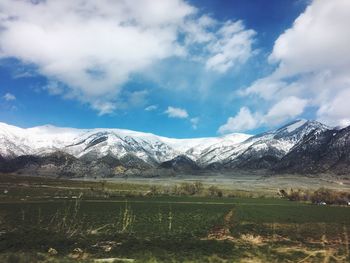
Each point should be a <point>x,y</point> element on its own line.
<point>302,146</point>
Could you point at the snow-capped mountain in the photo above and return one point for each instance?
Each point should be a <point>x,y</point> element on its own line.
<point>318,153</point>
<point>272,146</point>
<point>110,152</point>
<point>43,140</point>
<point>265,150</point>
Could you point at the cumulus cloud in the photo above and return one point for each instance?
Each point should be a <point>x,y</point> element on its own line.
<point>173,112</point>
<point>305,47</point>
<point>180,113</point>
<point>104,107</point>
<point>287,108</point>
<point>312,66</point>
<point>94,47</point>
<point>336,111</point>
<point>244,120</point>
<point>265,88</point>
<point>9,97</point>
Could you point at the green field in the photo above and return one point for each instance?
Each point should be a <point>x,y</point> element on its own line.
<point>81,223</point>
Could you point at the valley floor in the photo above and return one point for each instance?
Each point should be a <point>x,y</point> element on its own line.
<point>127,220</point>
<point>253,183</point>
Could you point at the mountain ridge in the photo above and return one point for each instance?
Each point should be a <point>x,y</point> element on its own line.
<point>115,152</point>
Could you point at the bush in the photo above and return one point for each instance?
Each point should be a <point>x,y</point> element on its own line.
<point>215,191</point>
<point>330,197</point>
<point>188,188</point>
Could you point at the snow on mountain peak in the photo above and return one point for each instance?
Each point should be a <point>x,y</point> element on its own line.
<point>78,142</point>
<point>301,124</point>
<point>297,124</point>
<point>42,140</point>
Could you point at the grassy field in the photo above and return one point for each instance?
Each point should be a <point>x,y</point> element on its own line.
<point>44,220</point>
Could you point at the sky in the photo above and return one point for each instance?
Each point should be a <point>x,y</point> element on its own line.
<point>175,68</point>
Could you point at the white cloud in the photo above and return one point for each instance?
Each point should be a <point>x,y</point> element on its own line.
<point>173,112</point>
<point>103,107</point>
<point>180,113</point>
<point>313,65</point>
<point>9,97</point>
<point>287,108</point>
<point>337,110</point>
<point>265,88</point>
<point>151,108</point>
<point>94,47</point>
<point>194,121</point>
<point>244,120</point>
<point>318,40</point>
<point>233,46</point>
<point>197,30</point>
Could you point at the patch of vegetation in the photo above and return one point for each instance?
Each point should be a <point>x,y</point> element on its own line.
<point>186,189</point>
<point>319,196</point>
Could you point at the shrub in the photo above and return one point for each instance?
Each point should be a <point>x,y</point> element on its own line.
<point>215,191</point>
<point>188,188</point>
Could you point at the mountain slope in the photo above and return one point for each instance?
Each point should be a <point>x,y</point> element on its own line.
<point>301,146</point>
<point>263,150</point>
<point>181,164</point>
<point>319,152</point>
<point>95,142</point>
<point>100,142</point>
<point>90,148</point>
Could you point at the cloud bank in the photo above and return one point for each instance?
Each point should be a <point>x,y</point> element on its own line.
<point>312,61</point>
<point>91,49</point>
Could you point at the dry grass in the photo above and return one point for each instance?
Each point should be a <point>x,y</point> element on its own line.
<point>222,232</point>
<point>255,240</point>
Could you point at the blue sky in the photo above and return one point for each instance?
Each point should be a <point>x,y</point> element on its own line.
<point>174,68</point>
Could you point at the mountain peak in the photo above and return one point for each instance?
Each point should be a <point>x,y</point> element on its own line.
<point>293,125</point>
<point>300,126</point>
